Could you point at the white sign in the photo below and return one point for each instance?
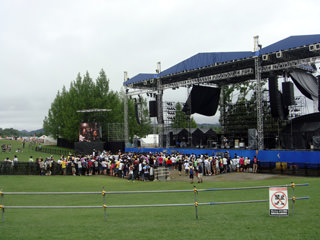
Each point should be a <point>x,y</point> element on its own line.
<point>278,201</point>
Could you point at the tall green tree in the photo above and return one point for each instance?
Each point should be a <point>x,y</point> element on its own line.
<point>63,119</point>
<point>182,120</point>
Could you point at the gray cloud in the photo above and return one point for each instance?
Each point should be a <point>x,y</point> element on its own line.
<point>44,44</point>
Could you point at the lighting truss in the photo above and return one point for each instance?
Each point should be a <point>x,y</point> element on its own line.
<point>210,78</point>
<point>288,64</point>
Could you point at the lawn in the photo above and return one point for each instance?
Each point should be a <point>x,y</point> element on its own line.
<point>26,152</point>
<point>236,221</point>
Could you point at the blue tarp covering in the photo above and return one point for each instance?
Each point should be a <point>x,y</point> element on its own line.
<point>291,42</point>
<point>310,157</point>
<point>141,77</point>
<point>201,60</point>
<point>204,60</point>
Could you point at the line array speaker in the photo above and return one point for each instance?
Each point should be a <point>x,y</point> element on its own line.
<point>288,93</point>
<point>153,109</point>
<point>277,108</point>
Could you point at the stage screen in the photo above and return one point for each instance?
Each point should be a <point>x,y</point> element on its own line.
<point>89,132</point>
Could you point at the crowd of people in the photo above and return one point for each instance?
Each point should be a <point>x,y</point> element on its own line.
<point>142,166</point>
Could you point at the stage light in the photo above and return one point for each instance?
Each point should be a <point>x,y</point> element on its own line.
<point>265,57</point>
<point>279,54</point>
<point>312,48</point>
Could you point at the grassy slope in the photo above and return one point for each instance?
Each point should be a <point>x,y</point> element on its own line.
<point>26,152</point>
<point>238,221</point>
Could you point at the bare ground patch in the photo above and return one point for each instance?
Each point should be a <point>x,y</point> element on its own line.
<point>233,176</point>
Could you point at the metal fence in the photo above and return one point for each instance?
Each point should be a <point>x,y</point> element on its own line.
<point>104,193</point>
<point>285,168</point>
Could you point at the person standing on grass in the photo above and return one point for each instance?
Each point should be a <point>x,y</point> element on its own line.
<point>146,171</point>
<point>73,167</point>
<point>180,163</point>
<point>131,175</point>
<point>248,164</point>
<point>241,162</point>
<point>42,166</point>
<point>200,173</point>
<point>186,167</point>
<point>15,163</point>
<point>191,173</point>
<point>255,164</point>
<point>63,167</point>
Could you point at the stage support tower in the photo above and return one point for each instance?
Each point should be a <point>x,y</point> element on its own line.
<point>257,66</point>
<point>125,104</point>
<point>159,107</point>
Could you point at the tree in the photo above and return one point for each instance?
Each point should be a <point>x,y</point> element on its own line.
<point>182,120</point>
<point>63,119</point>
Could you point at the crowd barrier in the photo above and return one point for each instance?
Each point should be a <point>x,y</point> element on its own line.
<point>286,168</point>
<point>105,206</point>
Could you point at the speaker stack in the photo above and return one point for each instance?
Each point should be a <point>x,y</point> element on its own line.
<point>153,109</point>
<point>288,93</point>
<point>278,110</point>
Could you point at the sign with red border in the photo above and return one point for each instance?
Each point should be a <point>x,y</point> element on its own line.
<point>278,201</point>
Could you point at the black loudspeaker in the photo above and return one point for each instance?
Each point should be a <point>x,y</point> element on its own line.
<point>288,93</point>
<point>137,113</point>
<point>153,109</point>
<point>171,141</point>
<point>278,110</point>
<point>273,92</point>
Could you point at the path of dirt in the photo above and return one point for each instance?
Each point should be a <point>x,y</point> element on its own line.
<point>233,176</point>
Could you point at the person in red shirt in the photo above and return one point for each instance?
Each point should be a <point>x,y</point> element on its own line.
<point>241,161</point>
<point>255,164</point>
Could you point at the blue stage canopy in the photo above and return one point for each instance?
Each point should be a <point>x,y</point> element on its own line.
<point>140,78</point>
<point>201,60</point>
<point>290,43</point>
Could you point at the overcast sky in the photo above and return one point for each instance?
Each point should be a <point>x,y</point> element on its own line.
<point>45,44</point>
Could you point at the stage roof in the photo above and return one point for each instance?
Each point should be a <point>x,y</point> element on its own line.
<point>219,63</point>
<point>201,60</point>
<point>290,43</point>
<point>141,77</point>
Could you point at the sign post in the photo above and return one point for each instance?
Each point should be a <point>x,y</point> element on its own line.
<point>278,201</point>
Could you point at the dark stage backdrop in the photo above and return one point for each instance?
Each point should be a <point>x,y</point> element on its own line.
<point>203,100</point>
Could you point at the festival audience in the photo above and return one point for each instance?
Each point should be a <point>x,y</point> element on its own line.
<point>141,166</point>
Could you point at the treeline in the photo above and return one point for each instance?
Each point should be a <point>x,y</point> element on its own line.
<point>63,118</point>
<point>9,132</point>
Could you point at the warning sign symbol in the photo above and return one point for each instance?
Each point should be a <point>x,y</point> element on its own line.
<point>279,205</point>
<point>279,200</point>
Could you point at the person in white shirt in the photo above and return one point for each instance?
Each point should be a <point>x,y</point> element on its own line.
<point>186,167</point>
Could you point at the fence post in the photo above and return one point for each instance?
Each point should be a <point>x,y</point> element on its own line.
<point>195,201</point>
<point>104,203</point>
<point>293,197</point>
<point>1,205</point>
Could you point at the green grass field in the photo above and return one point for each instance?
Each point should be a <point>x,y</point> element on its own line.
<point>27,151</point>
<point>236,221</point>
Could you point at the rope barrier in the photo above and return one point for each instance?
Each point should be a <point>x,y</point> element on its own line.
<point>163,191</point>
<point>140,206</point>
<point>48,207</point>
<point>104,193</point>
